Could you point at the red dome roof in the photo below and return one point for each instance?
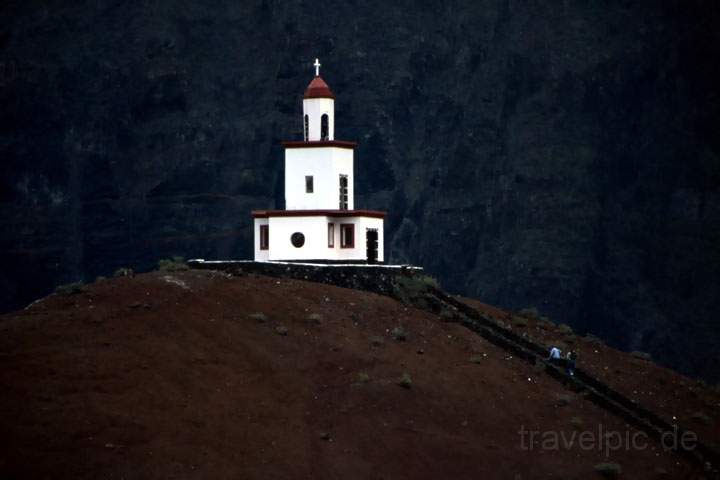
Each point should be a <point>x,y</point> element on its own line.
<point>318,89</point>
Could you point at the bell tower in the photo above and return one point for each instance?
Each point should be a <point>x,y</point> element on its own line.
<point>318,109</point>
<point>319,169</point>
<point>319,223</point>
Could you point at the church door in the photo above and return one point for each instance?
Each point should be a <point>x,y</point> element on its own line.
<point>371,237</point>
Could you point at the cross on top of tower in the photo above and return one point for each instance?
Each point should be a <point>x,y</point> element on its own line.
<point>317,67</point>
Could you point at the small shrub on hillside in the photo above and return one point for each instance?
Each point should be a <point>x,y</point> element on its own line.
<point>530,312</point>
<point>315,318</point>
<point>447,315</point>
<point>412,288</point>
<point>100,278</point>
<point>609,470</point>
<point>476,359</point>
<point>519,321</point>
<point>124,272</point>
<point>545,323</point>
<point>363,377</point>
<point>281,330</point>
<point>69,289</point>
<point>399,334</point>
<point>428,281</point>
<point>174,264</point>
<point>405,380</point>
<point>592,339</point>
<point>576,422</point>
<point>258,317</point>
<point>564,329</point>
<point>641,355</point>
<point>377,341</point>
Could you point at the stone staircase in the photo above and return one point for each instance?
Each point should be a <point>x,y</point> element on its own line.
<point>591,388</point>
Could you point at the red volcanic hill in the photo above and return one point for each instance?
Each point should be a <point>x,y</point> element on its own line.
<point>201,374</point>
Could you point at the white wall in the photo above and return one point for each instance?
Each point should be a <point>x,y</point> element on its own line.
<point>325,164</point>
<point>314,108</point>
<point>260,255</point>
<point>315,231</point>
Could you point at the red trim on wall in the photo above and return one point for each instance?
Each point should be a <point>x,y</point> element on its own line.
<point>319,144</point>
<point>318,213</point>
<point>344,226</point>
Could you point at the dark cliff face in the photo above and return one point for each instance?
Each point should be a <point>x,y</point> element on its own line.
<point>564,156</point>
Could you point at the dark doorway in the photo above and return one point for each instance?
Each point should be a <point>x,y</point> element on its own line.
<point>371,237</point>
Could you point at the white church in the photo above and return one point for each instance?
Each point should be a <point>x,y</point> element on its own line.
<point>319,223</point>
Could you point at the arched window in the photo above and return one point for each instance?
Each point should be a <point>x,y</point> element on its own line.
<point>324,127</point>
<point>307,126</point>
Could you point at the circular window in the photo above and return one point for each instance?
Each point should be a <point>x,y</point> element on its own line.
<point>297,239</point>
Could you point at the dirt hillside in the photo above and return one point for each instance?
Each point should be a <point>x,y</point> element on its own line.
<point>203,375</point>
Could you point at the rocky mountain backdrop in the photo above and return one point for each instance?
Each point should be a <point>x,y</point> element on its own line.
<point>562,155</point>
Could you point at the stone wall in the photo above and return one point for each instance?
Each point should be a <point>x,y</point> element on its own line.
<point>372,278</point>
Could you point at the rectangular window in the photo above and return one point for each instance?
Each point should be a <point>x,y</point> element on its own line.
<point>264,237</point>
<point>309,184</point>
<point>331,235</point>
<point>347,235</point>
<point>343,192</point>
